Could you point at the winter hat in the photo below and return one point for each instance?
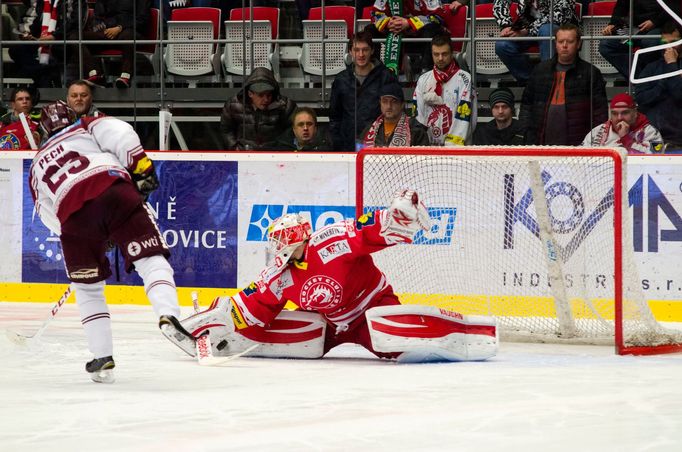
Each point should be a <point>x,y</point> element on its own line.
<point>394,90</point>
<point>261,87</point>
<point>623,100</point>
<point>501,95</point>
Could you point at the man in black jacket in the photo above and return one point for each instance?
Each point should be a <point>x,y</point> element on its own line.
<point>303,135</point>
<point>565,97</point>
<point>503,130</point>
<point>355,92</point>
<point>257,115</point>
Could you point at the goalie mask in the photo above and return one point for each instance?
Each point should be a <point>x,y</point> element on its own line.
<point>286,234</point>
<point>56,116</point>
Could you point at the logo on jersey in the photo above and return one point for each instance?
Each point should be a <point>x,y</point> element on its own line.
<point>327,233</point>
<point>321,292</point>
<point>279,284</point>
<point>134,249</point>
<point>334,250</point>
<point>84,273</point>
<point>9,141</point>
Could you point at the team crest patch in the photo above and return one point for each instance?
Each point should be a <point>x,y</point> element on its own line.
<point>463,111</point>
<point>365,220</point>
<point>321,292</point>
<point>9,141</point>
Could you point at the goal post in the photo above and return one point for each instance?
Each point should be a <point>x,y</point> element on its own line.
<point>538,237</point>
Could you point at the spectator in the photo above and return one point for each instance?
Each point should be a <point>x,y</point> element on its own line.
<point>79,98</point>
<point>662,99</point>
<point>503,130</point>
<point>393,128</point>
<point>114,20</point>
<point>565,97</point>
<point>539,18</point>
<point>457,4</point>
<point>445,98</point>
<point>257,115</point>
<point>355,92</point>
<point>626,128</point>
<point>410,19</point>
<point>303,134</point>
<point>40,63</point>
<point>13,134</point>
<point>647,18</point>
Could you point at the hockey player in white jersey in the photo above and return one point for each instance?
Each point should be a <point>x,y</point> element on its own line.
<point>444,97</point>
<point>88,181</point>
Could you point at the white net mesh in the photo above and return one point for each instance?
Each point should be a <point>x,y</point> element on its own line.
<point>545,270</point>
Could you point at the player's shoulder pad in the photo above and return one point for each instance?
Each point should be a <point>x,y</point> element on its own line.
<point>367,219</point>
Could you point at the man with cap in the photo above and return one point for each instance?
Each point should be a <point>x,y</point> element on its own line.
<point>393,128</point>
<point>257,115</point>
<point>503,130</point>
<point>626,128</point>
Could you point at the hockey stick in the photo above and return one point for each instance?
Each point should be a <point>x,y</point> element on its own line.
<point>21,339</point>
<point>205,354</point>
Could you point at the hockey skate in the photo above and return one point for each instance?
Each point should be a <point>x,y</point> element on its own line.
<point>101,370</point>
<point>177,334</point>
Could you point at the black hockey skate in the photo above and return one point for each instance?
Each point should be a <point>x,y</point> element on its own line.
<point>177,334</point>
<point>101,370</point>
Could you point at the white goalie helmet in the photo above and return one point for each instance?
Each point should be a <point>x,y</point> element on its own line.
<point>285,234</point>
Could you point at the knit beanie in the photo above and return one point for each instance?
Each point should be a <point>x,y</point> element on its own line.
<point>501,95</point>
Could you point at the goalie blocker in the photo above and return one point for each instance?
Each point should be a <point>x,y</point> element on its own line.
<point>412,333</point>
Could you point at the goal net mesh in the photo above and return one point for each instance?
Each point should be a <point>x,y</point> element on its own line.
<point>545,269</point>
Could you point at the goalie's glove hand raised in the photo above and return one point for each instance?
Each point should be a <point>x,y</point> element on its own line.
<point>144,177</point>
<point>405,217</point>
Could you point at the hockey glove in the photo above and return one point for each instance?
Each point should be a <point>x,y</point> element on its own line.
<point>405,217</point>
<point>144,177</point>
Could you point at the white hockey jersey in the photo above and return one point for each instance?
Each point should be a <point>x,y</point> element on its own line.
<point>449,117</point>
<point>643,138</point>
<point>80,163</point>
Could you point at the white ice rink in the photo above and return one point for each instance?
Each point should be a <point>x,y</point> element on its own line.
<point>529,398</point>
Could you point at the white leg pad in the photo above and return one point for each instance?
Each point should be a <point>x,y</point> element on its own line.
<point>292,334</point>
<point>428,334</point>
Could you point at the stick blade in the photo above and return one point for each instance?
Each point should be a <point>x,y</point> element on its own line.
<point>205,354</point>
<point>16,338</point>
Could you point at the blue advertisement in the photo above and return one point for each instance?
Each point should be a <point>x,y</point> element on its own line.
<point>196,211</point>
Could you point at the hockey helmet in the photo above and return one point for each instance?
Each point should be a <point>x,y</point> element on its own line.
<point>56,116</point>
<point>285,234</point>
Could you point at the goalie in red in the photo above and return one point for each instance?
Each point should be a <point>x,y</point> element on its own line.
<point>342,297</point>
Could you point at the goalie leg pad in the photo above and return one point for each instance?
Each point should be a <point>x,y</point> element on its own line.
<point>292,334</point>
<point>428,334</point>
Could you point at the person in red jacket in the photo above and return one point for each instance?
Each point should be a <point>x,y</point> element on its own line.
<point>342,297</point>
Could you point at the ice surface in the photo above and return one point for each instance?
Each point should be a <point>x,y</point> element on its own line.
<point>531,397</point>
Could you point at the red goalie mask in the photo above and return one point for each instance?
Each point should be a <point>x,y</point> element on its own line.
<point>286,234</point>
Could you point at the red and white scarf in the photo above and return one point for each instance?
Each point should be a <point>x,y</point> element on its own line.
<point>442,77</point>
<point>50,13</point>
<point>401,137</point>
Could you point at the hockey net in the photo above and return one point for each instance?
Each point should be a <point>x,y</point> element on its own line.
<point>558,270</point>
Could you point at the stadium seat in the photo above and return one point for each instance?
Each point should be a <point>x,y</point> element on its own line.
<point>193,61</point>
<point>316,59</point>
<point>598,17</point>
<point>487,62</point>
<point>247,34</point>
<point>346,13</point>
<point>457,24</point>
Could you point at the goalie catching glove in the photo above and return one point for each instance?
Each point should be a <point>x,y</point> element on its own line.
<point>144,177</point>
<point>405,217</point>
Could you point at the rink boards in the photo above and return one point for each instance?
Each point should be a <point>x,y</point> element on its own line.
<point>214,210</point>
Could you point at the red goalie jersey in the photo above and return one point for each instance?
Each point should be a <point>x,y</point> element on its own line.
<point>336,277</point>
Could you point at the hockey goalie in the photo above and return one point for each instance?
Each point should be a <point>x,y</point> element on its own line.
<point>342,297</point>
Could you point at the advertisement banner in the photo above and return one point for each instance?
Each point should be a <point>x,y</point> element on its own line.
<point>11,181</point>
<point>322,190</point>
<point>196,210</point>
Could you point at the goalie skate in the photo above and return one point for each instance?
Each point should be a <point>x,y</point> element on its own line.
<point>177,334</point>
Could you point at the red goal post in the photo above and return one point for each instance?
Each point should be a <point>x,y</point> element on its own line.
<point>561,270</point>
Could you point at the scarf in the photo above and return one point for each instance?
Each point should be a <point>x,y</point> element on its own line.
<point>401,135</point>
<point>603,133</point>
<point>442,77</point>
<point>49,24</point>
<point>393,40</point>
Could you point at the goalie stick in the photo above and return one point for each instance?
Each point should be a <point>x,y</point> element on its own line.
<point>21,339</point>
<point>205,354</point>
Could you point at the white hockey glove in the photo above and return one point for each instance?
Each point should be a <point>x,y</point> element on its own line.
<point>433,99</point>
<point>405,217</point>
